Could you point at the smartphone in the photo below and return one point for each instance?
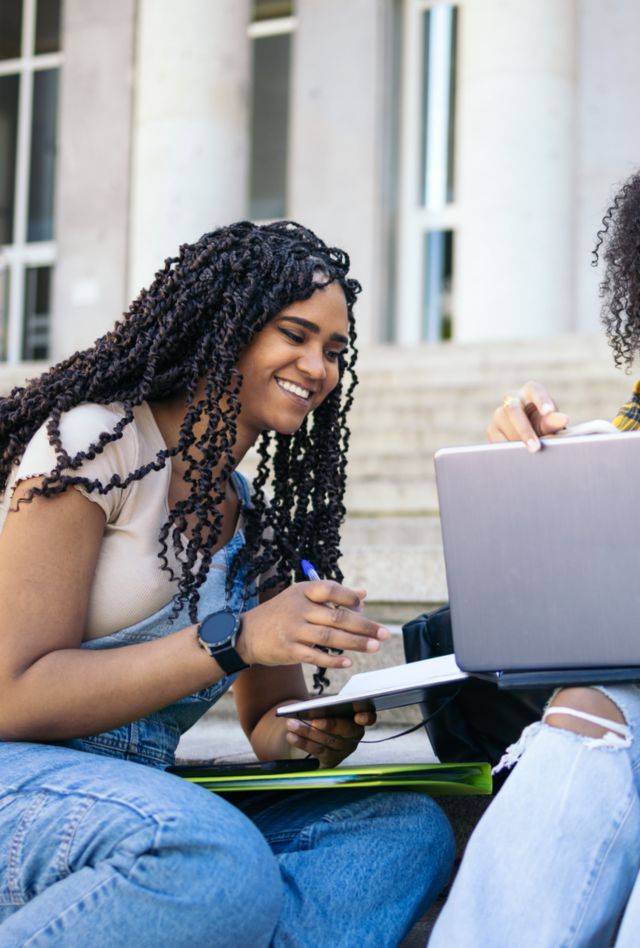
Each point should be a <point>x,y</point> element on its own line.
<point>247,769</point>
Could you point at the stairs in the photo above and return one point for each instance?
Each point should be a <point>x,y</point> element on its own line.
<point>409,403</point>
<point>412,402</point>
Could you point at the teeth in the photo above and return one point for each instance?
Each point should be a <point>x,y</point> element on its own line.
<point>290,387</point>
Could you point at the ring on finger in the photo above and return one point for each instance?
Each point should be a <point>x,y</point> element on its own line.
<point>511,401</point>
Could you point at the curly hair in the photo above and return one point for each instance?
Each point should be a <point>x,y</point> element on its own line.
<point>618,243</point>
<point>201,311</point>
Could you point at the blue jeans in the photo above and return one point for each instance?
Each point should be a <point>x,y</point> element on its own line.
<point>97,850</point>
<point>555,861</point>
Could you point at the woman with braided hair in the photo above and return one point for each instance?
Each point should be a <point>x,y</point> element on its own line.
<point>140,577</point>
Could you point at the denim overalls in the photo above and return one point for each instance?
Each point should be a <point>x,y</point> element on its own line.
<point>97,849</point>
<point>153,739</point>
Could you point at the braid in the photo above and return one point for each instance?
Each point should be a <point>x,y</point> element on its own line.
<point>618,241</point>
<point>203,308</point>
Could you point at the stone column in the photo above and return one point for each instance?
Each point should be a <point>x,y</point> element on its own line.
<point>190,126</point>
<point>516,160</point>
<point>338,123</point>
<point>92,184</point>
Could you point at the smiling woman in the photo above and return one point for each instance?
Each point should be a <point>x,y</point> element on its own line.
<point>298,352</point>
<point>141,575</point>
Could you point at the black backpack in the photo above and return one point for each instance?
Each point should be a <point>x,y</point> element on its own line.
<point>470,720</point>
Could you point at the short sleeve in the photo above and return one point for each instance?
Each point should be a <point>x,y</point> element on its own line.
<point>79,428</point>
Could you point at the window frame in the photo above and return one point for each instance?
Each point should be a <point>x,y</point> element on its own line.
<point>17,257</point>
<point>416,219</point>
<point>259,29</point>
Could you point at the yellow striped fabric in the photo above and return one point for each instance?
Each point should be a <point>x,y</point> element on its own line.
<point>628,417</point>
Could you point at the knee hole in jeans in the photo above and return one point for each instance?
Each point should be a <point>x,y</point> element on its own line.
<point>589,701</point>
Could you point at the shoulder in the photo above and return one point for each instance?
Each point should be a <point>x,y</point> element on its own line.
<point>84,424</point>
<point>79,429</point>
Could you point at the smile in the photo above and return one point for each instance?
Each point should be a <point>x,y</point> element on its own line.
<point>294,389</point>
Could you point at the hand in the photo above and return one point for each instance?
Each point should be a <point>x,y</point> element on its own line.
<point>526,416</point>
<point>329,739</point>
<point>283,630</point>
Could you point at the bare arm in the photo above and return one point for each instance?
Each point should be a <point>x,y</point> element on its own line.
<point>50,689</point>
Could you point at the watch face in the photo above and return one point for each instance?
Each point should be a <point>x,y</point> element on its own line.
<point>218,628</point>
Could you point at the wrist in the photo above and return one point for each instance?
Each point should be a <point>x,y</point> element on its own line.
<point>242,643</point>
<point>218,634</point>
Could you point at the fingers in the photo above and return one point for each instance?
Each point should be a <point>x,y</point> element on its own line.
<point>307,655</point>
<point>343,629</point>
<point>327,591</point>
<point>526,416</point>
<point>328,739</point>
<point>533,393</point>
<point>512,423</point>
<point>332,626</point>
<point>330,612</point>
<point>365,718</point>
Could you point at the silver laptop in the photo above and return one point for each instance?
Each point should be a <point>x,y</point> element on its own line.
<point>541,556</point>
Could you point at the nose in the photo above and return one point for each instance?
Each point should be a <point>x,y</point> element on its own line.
<point>312,363</point>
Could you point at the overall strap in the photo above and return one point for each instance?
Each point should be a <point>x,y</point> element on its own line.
<point>243,488</point>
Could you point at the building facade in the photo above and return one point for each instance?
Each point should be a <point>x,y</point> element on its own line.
<point>463,153</point>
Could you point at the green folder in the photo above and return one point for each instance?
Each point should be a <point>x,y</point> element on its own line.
<point>434,779</point>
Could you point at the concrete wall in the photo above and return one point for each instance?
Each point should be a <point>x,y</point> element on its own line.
<point>92,189</point>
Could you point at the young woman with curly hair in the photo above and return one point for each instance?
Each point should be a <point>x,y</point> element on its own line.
<point>140,576</point>
<point>556,858</point>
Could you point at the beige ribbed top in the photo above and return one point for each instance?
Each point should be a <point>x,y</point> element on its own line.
<point>129,583</point>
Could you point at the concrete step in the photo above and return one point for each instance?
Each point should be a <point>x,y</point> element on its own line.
<point>518,356</point>
<point>438,406</point>
<point>395,497</point>
<point>391,531</point>
<point>395,573</point>
<point>402,437</point>
<point>408,464</point>
<point>419,374</point>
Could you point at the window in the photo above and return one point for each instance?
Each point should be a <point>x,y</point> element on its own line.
<point>30,60</point>
<point>428,211</point>
<point>270,33</point>
<point>437,316</point>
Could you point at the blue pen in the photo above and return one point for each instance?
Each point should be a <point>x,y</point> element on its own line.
<point>309,570</point>
<point>311,573</point>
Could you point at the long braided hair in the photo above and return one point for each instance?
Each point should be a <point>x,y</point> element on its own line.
<point>201,311</point>
<point>618,242</point>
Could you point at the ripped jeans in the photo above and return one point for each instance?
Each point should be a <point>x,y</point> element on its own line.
<point>555,860</point>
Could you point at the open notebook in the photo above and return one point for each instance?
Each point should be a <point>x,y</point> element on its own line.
<point>380,690</point>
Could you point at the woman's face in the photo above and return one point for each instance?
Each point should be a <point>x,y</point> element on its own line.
<point>291,365</point>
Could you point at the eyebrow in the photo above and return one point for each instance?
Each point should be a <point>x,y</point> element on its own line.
<point>312,327</point>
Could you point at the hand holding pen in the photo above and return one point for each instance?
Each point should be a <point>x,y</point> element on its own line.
<point>284,630</point>
<point>330,740</point>
<point>312,574</point>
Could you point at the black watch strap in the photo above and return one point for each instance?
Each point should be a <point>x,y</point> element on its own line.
<point>229,660</point>
<point>217,635</point>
